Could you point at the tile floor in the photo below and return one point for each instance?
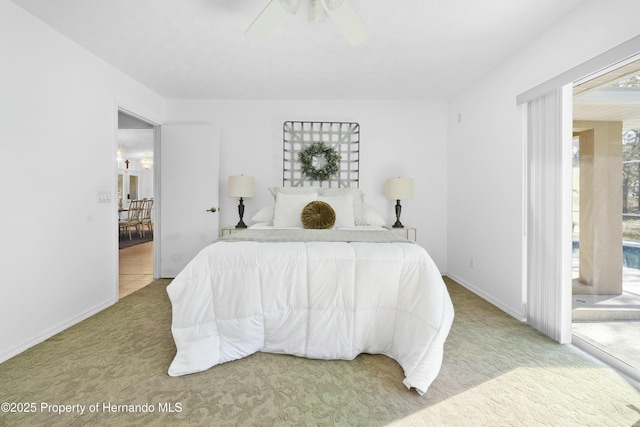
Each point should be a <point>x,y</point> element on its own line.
<point>136,268</point>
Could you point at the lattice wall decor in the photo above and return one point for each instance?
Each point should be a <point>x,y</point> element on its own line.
<point>342,137</point>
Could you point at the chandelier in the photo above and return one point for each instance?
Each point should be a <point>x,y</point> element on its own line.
<point>146,162</point>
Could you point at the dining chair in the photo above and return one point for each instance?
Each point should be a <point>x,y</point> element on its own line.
<point>133,218</point>
<point>145,216</point>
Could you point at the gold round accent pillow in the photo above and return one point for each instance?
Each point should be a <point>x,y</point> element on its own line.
<point>318,215</point>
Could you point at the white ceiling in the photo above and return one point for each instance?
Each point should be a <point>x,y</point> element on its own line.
<point>418,49</point>
<point>197,48</point>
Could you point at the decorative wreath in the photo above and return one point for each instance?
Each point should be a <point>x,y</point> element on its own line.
<point>317,149</point>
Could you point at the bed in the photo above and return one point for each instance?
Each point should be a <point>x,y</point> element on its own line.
<point>322,294</point>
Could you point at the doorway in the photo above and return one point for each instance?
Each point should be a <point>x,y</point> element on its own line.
<point>135,178</point>
<point>606,215</point>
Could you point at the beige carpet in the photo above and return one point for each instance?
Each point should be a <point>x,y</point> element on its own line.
<point>497,372</point>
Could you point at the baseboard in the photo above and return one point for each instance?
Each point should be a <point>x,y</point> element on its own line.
<point>520,316</point>
<point>55,330</point>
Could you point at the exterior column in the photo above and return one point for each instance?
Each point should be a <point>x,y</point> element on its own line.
<point>600,208</point>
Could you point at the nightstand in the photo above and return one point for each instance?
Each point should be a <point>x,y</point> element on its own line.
<point>405,232</point>
<point>229,229</point>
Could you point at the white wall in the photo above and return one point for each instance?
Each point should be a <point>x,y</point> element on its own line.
<point>398,138</point>
<point>485,149</point>
<point>57,145</point>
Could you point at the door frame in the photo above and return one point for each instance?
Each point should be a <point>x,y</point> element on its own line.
<point>144,117</point>
<point>601,64</point>
<point>605,62</point>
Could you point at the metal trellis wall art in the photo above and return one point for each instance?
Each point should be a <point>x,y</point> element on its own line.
<point>325,154</point>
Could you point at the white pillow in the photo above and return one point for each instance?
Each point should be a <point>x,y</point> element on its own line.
<point>293,190</point>
<point>371,215</point>
<point>263,215</point>
<point>343,207</point>
<point>358,197</point>
<point>288,208</point>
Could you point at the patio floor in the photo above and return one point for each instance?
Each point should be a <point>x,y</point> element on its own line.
<point>612,322</point>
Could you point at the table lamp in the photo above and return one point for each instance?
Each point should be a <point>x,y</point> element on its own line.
<point>398,189</point>
<point>241,186</point>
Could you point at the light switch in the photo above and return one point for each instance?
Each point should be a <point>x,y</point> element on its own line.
<point>104,196</point>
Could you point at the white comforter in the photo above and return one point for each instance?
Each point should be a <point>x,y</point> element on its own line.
<point>321,300</point>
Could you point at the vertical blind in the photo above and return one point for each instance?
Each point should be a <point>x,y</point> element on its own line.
<point>548,222</point>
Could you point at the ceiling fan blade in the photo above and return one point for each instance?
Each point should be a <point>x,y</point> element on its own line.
<point>347,20</point>
<point>270,17</point>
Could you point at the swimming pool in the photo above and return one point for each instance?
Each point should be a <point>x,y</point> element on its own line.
<point>630,254</point>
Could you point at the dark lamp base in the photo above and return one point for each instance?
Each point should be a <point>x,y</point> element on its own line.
<point>241,223</point>
<point>398,224</point>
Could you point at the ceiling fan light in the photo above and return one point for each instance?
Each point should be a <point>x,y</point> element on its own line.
<point>341,13</point>
<point>290,6</point>
<point>333,4</point>
<point>315,11</point>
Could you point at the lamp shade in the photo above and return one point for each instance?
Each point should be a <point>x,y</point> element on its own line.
<point>398,188</point>
<point>241,186</point>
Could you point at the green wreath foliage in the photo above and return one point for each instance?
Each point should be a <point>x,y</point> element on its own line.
<point>317,149</point>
